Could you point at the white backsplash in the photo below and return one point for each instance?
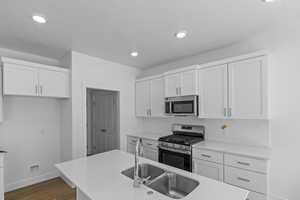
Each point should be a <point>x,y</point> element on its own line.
<point>247,132</point>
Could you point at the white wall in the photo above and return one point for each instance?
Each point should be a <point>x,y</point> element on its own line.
<point>248,132</point>
<point>283,43</point>
<point>98,73</point>
<point>30,133</point>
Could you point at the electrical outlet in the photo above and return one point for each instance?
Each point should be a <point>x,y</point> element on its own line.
<point>34,167</point>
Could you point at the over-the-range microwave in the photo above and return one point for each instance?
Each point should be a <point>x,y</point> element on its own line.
<point>182,105</point>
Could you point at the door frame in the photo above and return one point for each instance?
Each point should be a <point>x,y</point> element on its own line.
<point>95,85</point>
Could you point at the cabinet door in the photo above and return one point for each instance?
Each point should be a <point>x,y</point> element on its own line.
<point>131,143</point>
<point>213,92</point>
<point>188,83</point>
<point>208,169</point>
<point>151,154</point>
<point>172,85</point>
<point>247,89</point>
<point>53,83</point>
<point>142,98</point>
<point>20,80</point>
<point>157,97</point>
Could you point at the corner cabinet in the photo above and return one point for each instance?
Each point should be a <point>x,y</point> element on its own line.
<point>149,97</point>
<point>181,83</point>
<point>236,90</point>
<point>31,79</point>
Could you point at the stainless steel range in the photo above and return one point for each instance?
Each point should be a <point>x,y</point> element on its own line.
<point>176,149</point>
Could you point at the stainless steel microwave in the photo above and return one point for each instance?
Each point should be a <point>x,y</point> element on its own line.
<point>183,105</point>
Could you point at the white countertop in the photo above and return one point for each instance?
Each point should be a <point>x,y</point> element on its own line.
<point>244,150</point>
<point>238,149</point>
<point>99,177</point>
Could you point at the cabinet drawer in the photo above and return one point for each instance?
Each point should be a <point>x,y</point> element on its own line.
<point>207,155</point>
<point>256,196</point>
<point>246,163</point>
<point>246,179</point>
<point>131,140</point>
<point>150,143</point>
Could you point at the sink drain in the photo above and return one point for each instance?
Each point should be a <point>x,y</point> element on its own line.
<point>150,192</point>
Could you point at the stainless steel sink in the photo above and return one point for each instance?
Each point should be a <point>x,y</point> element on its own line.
<point>173,185</point>
<point>167,183</point>
<point>146,171</point>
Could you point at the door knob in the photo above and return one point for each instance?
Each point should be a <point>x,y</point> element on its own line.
<point>103,130</point>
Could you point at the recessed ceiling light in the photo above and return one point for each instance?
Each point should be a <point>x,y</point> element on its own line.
<point>39,19</point>
<point>268,1</point>
<point>134,54</point>
<point>181,34</point>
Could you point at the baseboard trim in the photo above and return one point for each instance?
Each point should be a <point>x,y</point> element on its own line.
<point>30,181</point>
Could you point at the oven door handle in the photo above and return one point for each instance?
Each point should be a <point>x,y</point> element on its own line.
<point>175,150</point>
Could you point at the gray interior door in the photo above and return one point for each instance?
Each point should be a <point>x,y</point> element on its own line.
<point>105,136</point>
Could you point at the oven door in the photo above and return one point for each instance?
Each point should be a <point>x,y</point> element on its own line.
<point>175,159</point>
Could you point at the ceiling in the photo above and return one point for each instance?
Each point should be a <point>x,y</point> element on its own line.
<point>111,29</point>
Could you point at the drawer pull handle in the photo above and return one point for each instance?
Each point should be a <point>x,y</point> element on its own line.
<point>205,155</point>
<point>243,179</point>
<point>149,144</point>
<point>243,163</point>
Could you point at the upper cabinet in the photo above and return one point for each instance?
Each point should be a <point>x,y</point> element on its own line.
<point>235,90</point>
<point>247,88</point>
<point>182,83</point>
<point>30,79</point>
<point>149,97</point>
<point>213,92</point>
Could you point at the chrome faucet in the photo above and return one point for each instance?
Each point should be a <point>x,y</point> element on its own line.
<point>137,181</point>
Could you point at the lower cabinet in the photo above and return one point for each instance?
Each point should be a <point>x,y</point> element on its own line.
<point>151,154</point>
<point>245,179</point>
<point>208,169</point>
<point>241,171</point>
<point>150,150</point>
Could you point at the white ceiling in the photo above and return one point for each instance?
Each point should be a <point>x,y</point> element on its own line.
<point>111,29</point>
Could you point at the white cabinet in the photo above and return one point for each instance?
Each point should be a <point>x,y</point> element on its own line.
<point>208,169</point>
<point>131,142</point>
<point>31,79</point>
<point>181,83</point>
<point>172,85</point>
<point>246,179</point>
<point>213,92</point>
<point>151,154</point>
<point>142,98</point>
<point>157,105</point>
<point>149,97</point>
<point>150,149</point>
<point>236,90</point>
<point>54,83</point>
<point>247,88</point>
<point>20,80</point>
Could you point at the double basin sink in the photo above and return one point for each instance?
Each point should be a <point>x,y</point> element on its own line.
<point>167,183</point>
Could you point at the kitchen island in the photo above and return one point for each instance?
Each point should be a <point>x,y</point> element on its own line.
<point>99,177</point>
